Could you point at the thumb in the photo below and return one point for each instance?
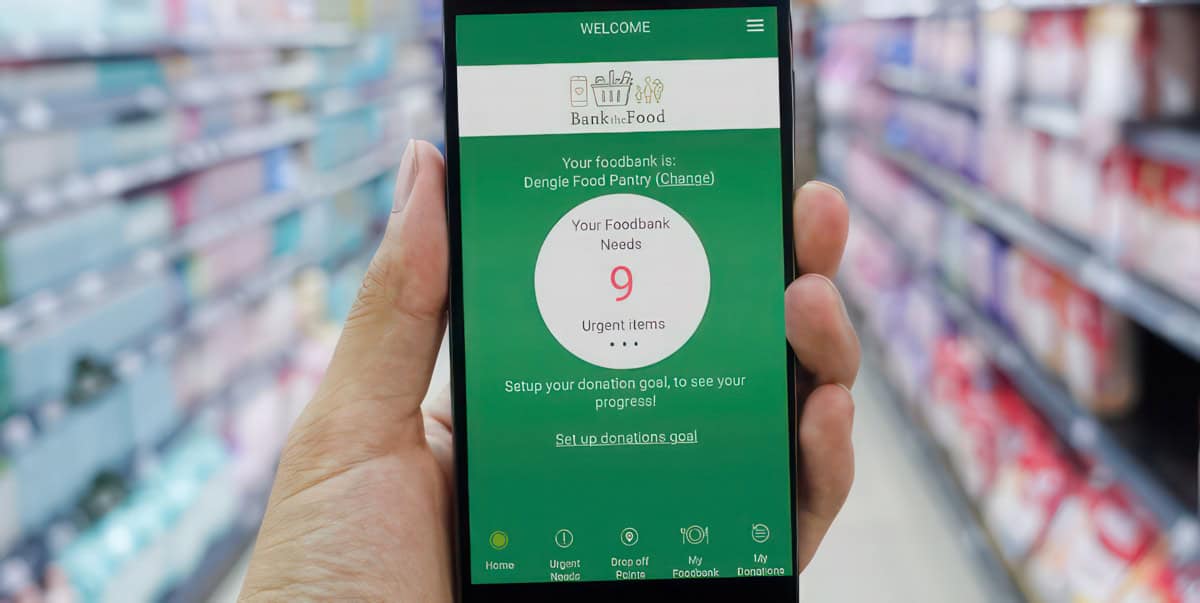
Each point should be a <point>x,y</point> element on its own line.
<point>381,368</point>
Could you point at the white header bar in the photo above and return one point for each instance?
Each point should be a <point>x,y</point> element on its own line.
<point>639,96</point>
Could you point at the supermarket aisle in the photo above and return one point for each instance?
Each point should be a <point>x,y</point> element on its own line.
<point>895,541</point>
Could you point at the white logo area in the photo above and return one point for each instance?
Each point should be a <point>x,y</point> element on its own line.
<point>622,281</point>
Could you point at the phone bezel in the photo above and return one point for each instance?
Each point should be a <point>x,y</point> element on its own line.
<point>784,588</point>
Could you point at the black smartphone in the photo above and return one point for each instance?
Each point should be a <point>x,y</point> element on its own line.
<point>619,179</point>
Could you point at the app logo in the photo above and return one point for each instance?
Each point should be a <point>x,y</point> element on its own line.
<point>760,533</point>
<point>610,91</point>
<point>694,535</point>
<point>629,537</point>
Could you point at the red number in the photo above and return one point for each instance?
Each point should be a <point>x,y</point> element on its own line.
<point>626,286</point>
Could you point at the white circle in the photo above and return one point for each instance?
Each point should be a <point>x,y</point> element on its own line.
<point>589,258</point>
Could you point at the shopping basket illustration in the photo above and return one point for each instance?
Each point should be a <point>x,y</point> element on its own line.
<point>612,92</point>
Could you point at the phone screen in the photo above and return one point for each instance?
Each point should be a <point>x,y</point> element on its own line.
<point>623,262</point>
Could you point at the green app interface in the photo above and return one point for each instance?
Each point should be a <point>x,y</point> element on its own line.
<point>622,286</point>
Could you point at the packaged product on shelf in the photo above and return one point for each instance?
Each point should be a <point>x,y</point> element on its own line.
<point>1096,539</point>
<point>1073,199</point>
<point>1032,478</point>
<point>1055,60</point>
<point>1099,354</point>
<point>1037,298</point>
<point>1156,579</point>
<point>343,137</point>
<point>956,231</point>
<point>46,253</point>
<point>1117,228</point>
<point>921,221</point>
<point>258,429</point>
<point>159,532</point>
<point>960,61</point>
<point>204,471</point>
<point>984,261</point>
<point>1026,183</point>
<point>1176,74</point>
<point>209,191</point>
<point>123,142</point>
<point>961,415</point>
<point>41,363</point>
<point>1000,59</point>
<point>153,409</point>
<point>28,160</point>
<point>1115,87</point>
<point>1170,241</point>
<point>225,262</point>
<point>55,465</point>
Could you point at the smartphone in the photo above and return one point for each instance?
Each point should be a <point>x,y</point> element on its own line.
<point>619,200</point>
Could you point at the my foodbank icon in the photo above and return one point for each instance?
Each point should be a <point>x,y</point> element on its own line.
<point>611,91</point>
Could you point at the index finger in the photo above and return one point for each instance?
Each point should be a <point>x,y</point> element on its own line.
<point>821,222</point>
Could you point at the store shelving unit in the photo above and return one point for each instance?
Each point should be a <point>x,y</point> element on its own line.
<point>97,44</point>
<point>1174,319</point>
<point>1075,425</point>
<point>44,306</point>
<point>910,81</point>
<point>307,115</point>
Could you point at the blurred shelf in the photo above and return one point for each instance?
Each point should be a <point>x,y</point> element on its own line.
<point>1058,119</point>
<point>1043,5</point>
<point>883,10</point>
<point>37,115</point>
<point>1173,142</point>
<point>70,192</point>
<point>247,382</point>
<point>1074,424</point>
<point>1175,319</point>
<point>97,44</point>
<point>222,557</point>
<point>344,100</point>
<point>24,317</point>
<point>908,80</point>
<point>1004,586</point>
<point>67,193</point>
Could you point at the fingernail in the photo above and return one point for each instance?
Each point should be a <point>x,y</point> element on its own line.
<point>817,184</point>
<point>406,176</point>
<point>836,294</point>
<point>848,392</point>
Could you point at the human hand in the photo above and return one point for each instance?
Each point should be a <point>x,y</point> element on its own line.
<point>363,501</point>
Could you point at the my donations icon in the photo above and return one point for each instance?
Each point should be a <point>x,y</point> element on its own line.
<point>622,281</point>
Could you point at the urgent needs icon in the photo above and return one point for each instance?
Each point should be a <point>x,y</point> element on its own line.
<point>611,91</point>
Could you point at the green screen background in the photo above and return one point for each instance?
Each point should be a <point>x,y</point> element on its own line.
<point>738,475</point>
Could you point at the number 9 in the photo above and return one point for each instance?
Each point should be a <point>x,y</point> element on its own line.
<point>627,282</point>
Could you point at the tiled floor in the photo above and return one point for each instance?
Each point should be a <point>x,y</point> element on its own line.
<point>895,541</point>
